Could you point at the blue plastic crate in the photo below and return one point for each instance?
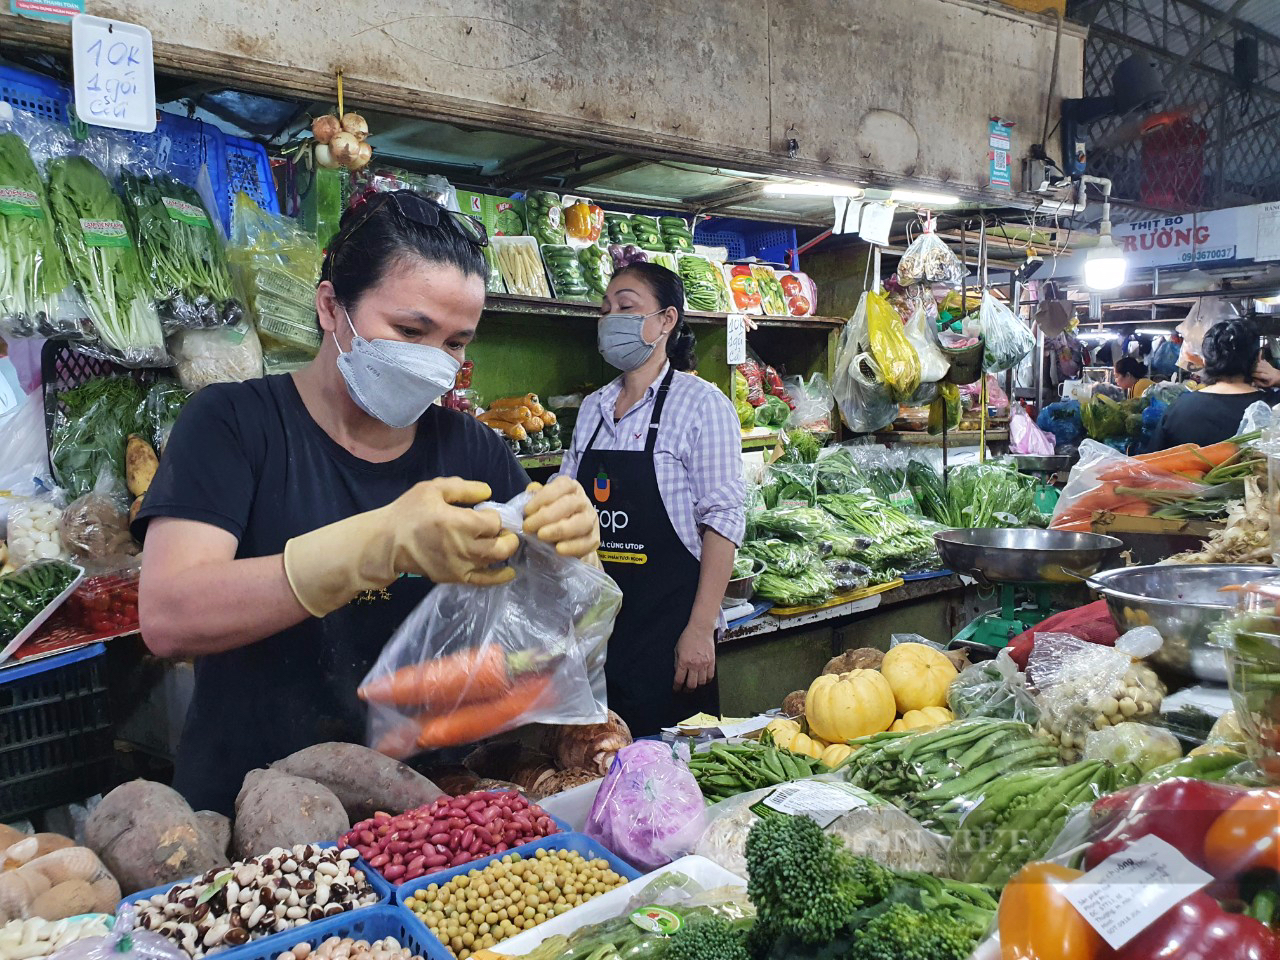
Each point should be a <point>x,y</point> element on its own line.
<point>249,171</point>
<point>370,923</point>
<point>521,849</point>
<point>34,93</point>
<point>747,238</point>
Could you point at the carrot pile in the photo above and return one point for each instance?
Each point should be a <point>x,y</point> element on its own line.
<point>459,698</point>
<point>1179,483</point>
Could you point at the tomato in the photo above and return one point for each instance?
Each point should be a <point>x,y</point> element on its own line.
<point>799,306</point>
<point>791,286</point>
<point>1038,923</point>
<point>1246,836</point>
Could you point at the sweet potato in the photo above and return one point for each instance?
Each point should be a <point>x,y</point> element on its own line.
<point>147,835</point>
<point>275,809</point>
<point>68,899</point>
<point>363,780</point>
<point>140,464</point>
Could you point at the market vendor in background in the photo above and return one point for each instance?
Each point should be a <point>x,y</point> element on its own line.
<point>660,452</point>
<point>1213,413</point>
<point>1128,371</point>
<point>287,511</point>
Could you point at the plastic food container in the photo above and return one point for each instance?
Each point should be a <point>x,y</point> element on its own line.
<point>106,604</point>
<point>1251,639</point>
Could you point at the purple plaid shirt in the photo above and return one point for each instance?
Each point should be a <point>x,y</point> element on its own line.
<point>698,456</point>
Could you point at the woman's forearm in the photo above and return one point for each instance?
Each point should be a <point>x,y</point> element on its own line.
<point>716,569</point>
<point>193,600</point>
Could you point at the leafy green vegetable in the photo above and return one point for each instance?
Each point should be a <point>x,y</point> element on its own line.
<point>89,438</point>
<point>780,557</point>
<point>772,413</point>
<point>836,473</point>
<point>799,523</point>
<point>160,409</point>
<point>33,271</point>
<point>902,544</point>
<point>989,495</point>
<point>103,261</point>
<point>181,252</point>
<point>743,567</point>
<point>927,488</point>
<point>799,446</point>
<point>811,585</point>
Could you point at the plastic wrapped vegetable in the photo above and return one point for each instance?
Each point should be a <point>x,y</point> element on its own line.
<point>36,296</point>
<point>104,262</point>
<point>471,662</point>
<point>865,401</point>
<point>895,356</point>
<point>567,279</point>
<point>648,233</point>
<point>743,289</point>
<point>772,299</point>
<point>545,216</point>
<point>676,237</point>
<point>597,270</point>
<point>929,260</point>
<point>279,265</point>
<point>583,221</point>
<point>704,286</point>
<point>1130,742</point>
<point>1005,337</point>
<point>647,800</point>
<point>993,688</point>
<point>618,227</point>
<point>746,412</point>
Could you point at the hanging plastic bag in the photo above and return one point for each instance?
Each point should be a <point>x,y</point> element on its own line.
<point>929,260</point>
<point>646,803</point>
<point>1204,313</point>
<point>1006,338</point>
<point>471,662</point>
<point>37,298</point>
<point>923,336</point>
<point>813,402</point>
<point>864,401</point>
<point>896,358</point>
<point>24,452</point>
<point>1025,437</point>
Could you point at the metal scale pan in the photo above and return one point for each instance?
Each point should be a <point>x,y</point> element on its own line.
<point>1025,554</point>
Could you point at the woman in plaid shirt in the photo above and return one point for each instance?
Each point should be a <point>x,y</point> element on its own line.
<point>659,451</point>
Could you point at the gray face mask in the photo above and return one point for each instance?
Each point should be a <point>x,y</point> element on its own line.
<point>620,338</point>
<point>394,381</point>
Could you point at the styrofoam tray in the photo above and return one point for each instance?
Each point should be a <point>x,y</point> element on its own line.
<point>27,632</point>
<point>699,869</point>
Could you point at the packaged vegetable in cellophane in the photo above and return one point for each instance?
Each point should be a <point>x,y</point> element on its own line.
<point>704,286</point>
<point>124,941</point>
<point>1005,337</point>
<point>102,253</point>
<point>648,800</point>
<point>278,264</point>
<point>221,355</point>
<point>544,216</point>
<point>180,248</point>
<point>37,298</point>
<point>896,358</point>
<point>474,661</point>
<point>772,299</point>
<point>929,260</point>
<point>1106,481</point>
<point>744,291</point>
<point>800,291</point>
<point>865,401</point>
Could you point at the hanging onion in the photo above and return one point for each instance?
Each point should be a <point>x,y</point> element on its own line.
<point>355,125</point>
<point>324,157</point>
<point>345,147</point>
<point>325,128</point>
<point>364,153</point>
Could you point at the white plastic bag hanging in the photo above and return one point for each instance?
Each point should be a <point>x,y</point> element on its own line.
<point>923,335</point>
<point>1006,338</point>
<point>864,400</point>
<point>471,661</point>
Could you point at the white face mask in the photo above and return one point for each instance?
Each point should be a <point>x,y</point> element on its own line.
<point>394,381</point>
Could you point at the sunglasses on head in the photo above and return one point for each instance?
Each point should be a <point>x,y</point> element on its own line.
<point>416,209</point>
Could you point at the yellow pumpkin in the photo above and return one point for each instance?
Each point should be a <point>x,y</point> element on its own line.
<point>918,675</point>
<point>938,715</point>
<point>849,705</point>
<point>836,754</point>
<point>922,719</point>
<point>783,732</point>
<point>807,746</point>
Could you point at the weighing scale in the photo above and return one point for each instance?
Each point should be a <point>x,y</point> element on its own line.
<point>1025,558</point>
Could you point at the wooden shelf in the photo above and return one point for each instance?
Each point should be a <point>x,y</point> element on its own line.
<point>761,441</point>
<point>956,437</point>
<point>505,303</point>
<point>540,460</point>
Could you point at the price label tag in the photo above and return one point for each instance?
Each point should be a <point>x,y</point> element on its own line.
<point>877,221</point>
<point>737,347</point>
<point>114,73</point>
<point>822,801</point>
<point>1130,890</point>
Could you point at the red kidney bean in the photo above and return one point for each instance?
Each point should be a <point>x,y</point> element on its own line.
<point>381,815</point>
<point>417,863</point>
<point>380,861</point>
<point>397,846</point>
<point>476,817</point>
<point>421,831</point>
<point>467,836</point>
<point>500,848</point>
<point>460,858</point>
<point>454,834</point>
<point>439,837</point>
<point>436,860</point>
<point>394,872</point>
<point>412,875</point>
<point>509,835</point>
<point>384,829</point>
<point>475,846</point>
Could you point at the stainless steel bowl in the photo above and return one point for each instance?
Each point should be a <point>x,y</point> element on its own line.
<point>1025,554</point>
<point>1183,602</point>
<point>741,588</point>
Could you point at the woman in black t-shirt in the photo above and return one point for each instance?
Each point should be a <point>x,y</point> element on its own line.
<point>1214,412</point>
<point>295,521</point>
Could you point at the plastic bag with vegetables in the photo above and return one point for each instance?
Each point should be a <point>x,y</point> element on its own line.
<point>864,400</point>
<point>923,336</point>
<point>545,217</point>
<point>647,800</point>
<point>278,265</point>
<point>704,286</point>
<point>568,281</point>
<point>223,355</point>
<point>741,403</point>
<point>929,260</point>
<point>1006,338</point>
<point>896,358</point>
<point>471,662</point>
<point>993,688</point>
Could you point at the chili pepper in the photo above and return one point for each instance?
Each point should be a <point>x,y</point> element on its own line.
<point>1246,836</point>
<point>1038,923</point>
<point>1199,929</point>
<point>1180,812</point>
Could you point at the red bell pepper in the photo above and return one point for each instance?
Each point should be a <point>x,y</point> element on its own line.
<point>1246,836</point>
<point>1198,929</point>
<point>1181,812</point>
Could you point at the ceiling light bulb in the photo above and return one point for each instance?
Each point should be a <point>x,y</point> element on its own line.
<point>923,196</point>
<point>1104,265</point>
<point>774,188</point>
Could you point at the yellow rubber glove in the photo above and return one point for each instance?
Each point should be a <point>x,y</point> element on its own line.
<point>560,514</point>
<point>430,531</point>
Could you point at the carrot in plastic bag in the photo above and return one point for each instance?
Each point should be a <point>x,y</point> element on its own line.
<point>469,676</point>
<point>466,724</point>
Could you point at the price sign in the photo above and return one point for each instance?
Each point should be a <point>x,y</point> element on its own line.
<point>114,73</point>
<point>877,221</point>
<point>737,348</point>
<point>1130,890</point>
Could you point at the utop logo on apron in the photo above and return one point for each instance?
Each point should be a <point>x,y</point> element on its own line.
<point>602,487</point>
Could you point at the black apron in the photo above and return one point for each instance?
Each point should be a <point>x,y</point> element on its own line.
<point>658,575</point>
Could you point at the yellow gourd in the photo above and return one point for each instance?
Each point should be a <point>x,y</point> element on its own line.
<point>836,754</point>
<point>807,746</point>
<point>846,706</point>
<point>918,676</point>
<point>783,732</point>
<point>922,719</point>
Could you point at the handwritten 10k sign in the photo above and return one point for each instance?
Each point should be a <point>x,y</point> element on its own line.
<point>114,73</point>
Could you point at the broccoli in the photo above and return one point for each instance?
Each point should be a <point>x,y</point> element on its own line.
<point>712,939</point>
<point>904,933</point>
<point>804,884</point>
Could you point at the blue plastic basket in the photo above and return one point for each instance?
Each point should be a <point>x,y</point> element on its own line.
<point>249,171</point>
<point>576,842</point>
<point>370,923</point>
<point>521,849</point>
<point>34,93</point>
<point>747,238</point>
<point>181,146</point>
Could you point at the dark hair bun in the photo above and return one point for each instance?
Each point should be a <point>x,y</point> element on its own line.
<point>1230,349</point>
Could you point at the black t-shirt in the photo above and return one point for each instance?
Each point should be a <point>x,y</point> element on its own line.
<point>1203,418</point>
<point>249,458</point>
